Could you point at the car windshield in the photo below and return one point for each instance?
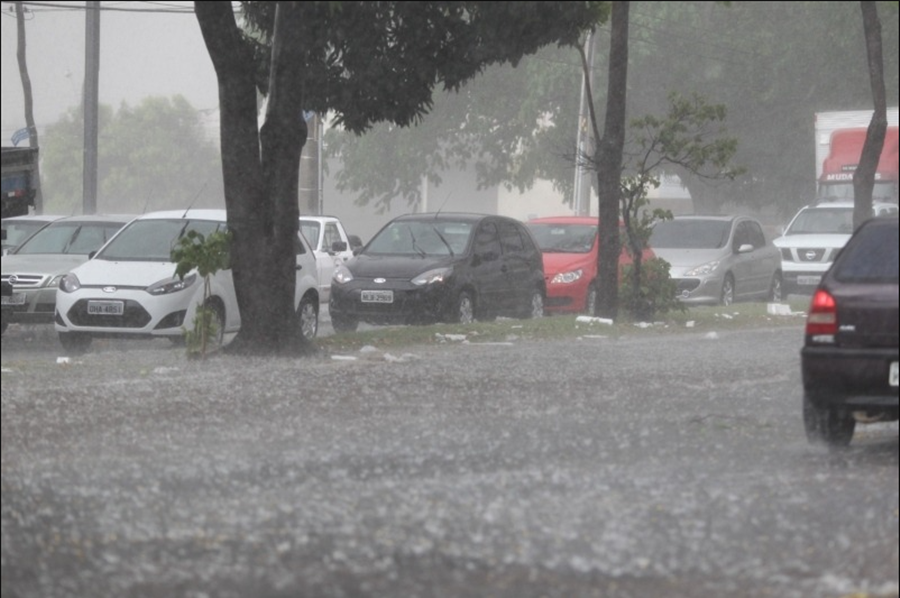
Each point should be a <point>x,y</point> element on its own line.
<point>564,238</point>
<point>152,240</point>
<point>822,221</point>
<point>76,238</point>
<point>19,230</point>
<point>311,231</point>
<point>873,257</point>
<point>427,237</point>
<point>690,234</point>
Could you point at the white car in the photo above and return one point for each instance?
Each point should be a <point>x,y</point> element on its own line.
<point>331,246</point>
<point>812,239</point>
<point>129,288</point>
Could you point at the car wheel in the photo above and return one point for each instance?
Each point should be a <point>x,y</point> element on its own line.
<point>464,312</point>
<point>308,314</point>
<point>344,323</point>
<point>727,297</point>
<point>827,425</point>
<point>75,343</point>
<point>775,290</point>
<point>591,301</point>
<point>536,309</point>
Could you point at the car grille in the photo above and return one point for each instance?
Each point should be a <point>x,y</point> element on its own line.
<point>813,254</point>
<point>135,316</point>
<point>686,284</point>
<point>26,281</point>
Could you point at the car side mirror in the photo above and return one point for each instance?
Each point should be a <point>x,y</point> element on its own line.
<point>745,248</point>
<point>338,246</point>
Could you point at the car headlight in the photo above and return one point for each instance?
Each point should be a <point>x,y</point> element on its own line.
<point>567,277</point>
<point>432,276</point>
<point>54,282</point>
<point>341,275</point>
<point>171,285</point>
<point>704,270</point>
<point>69,283</point>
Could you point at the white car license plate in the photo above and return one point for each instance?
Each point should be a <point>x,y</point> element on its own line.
<point>14,299</point>
<point>377,296</point>
<point>809,280</point>
<point>892,377</point>
<point>106,308</point>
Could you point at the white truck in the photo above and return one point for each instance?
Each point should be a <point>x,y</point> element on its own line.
<point>331,245</point>
<point>839,139</point>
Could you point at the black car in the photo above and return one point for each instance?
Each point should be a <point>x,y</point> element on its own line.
<point>849,358</point>
<point>442,267</point>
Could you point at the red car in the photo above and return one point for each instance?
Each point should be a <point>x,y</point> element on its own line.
<point>570,245</point>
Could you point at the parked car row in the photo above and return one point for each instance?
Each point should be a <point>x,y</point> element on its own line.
<point>112,276</point>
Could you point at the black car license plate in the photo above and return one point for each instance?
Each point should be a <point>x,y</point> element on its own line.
<point>377,296</point>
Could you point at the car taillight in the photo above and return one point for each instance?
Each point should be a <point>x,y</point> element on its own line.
<point>822,318</point>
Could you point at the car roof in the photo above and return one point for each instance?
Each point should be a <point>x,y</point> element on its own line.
<point>565,220</point>
<point>35,218</point>
<point>123,218</point>
<point>712,217</point>
<point>190,213</point>
<point>464,216</point>
<point>845,204</point>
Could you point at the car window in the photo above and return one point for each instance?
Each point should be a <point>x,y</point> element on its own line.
<point>690,234</point>
<point>152,240</point>
<point>426,237</point>
<point>332,235</point>
<point>822,221</point>
<point>76,238</point>
<point>487,242</point>
<point>757,236</point>
<point>311,230</point>
<point>563,238</point>
<point>510,240</point>
<point>874,256</point>
<point>16,232</point>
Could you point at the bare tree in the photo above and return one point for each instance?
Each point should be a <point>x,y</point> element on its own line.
<point>864,177</point>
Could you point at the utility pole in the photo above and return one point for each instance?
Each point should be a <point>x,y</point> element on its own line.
<point>29,104</point>
<point>582,194</point>
<point>90,104</point>
<point>310,161</point>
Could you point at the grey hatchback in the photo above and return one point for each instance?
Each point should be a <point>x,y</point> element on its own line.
<point>451,267</point>
<point>850,354</point>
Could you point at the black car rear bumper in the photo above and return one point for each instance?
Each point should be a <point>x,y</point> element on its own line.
<point>851,377</point>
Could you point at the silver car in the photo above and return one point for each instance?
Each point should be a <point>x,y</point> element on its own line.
<point>35,267</point>
<point>717,260</point>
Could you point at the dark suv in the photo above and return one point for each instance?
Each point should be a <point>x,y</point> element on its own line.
<point>849,358</point>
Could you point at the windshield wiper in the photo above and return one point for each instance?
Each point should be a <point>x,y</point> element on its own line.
<point>438,233</point>
<point>415,245</point>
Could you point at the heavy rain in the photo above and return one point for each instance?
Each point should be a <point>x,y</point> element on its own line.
<point>636,457</point>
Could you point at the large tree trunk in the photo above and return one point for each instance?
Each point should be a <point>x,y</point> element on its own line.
<point>864,177</point>
<point>609,165</point>
<point>262,213</point>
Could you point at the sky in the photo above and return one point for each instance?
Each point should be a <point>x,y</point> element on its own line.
<point>146,49</point>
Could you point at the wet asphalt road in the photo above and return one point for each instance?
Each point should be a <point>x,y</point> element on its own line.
<point>652,466</point>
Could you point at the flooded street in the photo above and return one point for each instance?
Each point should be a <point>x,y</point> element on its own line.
<point>656,465</point>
